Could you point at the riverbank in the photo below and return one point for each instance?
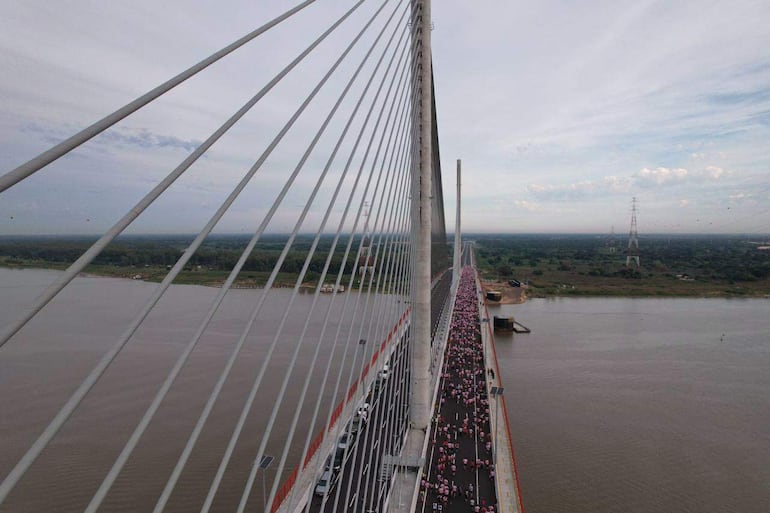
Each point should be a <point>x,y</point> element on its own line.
<point>189,276</point>
<point>511,295</point>
<point>550,284</point>
<point>591,265</point>
<point>572,283</point>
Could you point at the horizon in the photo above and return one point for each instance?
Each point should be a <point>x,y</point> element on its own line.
<point>581,111</point>
<point>620,236</point>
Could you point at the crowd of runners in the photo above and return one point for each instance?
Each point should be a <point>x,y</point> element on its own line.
<point>460,474</point>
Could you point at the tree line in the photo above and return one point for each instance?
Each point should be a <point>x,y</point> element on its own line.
<point>712,257</point>
<point>216,253</point>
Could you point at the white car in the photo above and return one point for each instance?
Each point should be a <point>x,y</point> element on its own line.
<point>324,485</point>
<point>385,372</point>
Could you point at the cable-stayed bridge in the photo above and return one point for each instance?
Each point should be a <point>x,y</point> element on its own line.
<point>370,385</point>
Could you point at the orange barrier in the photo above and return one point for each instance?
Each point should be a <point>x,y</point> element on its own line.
<point>283,491</point>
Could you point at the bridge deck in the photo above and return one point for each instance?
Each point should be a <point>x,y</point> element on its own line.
<point>366,461</point>
<point>461,470</point>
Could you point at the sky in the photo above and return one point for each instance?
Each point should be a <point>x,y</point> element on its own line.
<point>561,112</point>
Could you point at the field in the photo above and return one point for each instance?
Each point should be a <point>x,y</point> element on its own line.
<point>569,265</point>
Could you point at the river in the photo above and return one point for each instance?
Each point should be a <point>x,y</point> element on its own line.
<point>43,364</point>
<point>617,405</point>
<point>640,405</point>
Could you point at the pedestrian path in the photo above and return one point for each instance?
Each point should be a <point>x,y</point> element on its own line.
<point>460,476</point>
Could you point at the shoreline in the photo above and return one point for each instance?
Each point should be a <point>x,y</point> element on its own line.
<point>520,295</point>
<point>215,282</point>
<point>511,295</point>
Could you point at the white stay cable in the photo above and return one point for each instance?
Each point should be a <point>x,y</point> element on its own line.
<point>297,350</point>
<point>335,393</point>
<point>152,409</point>
<point>378,263</point>
<point>337,494</point>
<point>347,498</point>
<point>366,229</point>
<point>384,435</point>
<point>309,374</point>
<point>97,247</point>
<point>23,171</point>
<point>69,407</point>
<point>323,275</point>
<point>386,263</point>
<point>188,448</point>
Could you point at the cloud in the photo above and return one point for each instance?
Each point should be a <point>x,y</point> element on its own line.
<point>706,155</point>
<point>663,176</point>
<point>526,205</point>
<point>46,134</point>
<point>584,107</point>
<point>614,185</point>
<point>713,173</point>
<point>143,138</point>
<point>118,136</point>
<point>743,197</point>
<point>580,190</point>
<point>660,176</point>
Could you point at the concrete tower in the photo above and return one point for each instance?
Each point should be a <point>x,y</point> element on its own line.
<point>458,242</point>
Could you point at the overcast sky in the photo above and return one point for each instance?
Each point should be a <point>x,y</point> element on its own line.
<point>560,111</point>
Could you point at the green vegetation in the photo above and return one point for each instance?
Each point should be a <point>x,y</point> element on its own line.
<point>150,257</point>
<point>567,265</point>
<point>553,265</point>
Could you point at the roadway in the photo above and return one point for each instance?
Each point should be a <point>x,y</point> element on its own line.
<point>459,456</point>
<point>361,472</point>
<point>358,486</point>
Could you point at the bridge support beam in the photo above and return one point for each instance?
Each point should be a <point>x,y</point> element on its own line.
<point>420,401</point>
<point>457,265</point>
<point>406,485</point>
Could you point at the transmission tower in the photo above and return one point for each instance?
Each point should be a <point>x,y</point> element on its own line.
<point>632,253</point>
<point>611,242</point>
<point>366,260</point>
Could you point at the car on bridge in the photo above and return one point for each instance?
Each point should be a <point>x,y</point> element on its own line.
<point>325,483</point>
<point>360,418</point>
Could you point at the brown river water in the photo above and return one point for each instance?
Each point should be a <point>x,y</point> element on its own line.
<point>43,364</point>
<point>617,405</point>
<point>640,405</point>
